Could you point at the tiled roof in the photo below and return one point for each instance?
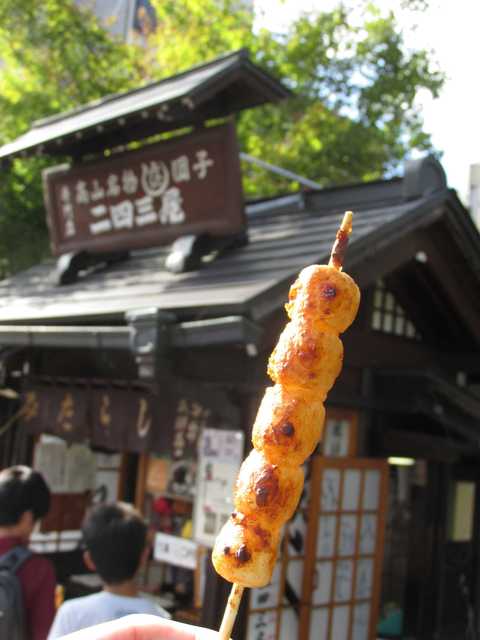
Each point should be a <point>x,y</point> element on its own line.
<point>285,235</point>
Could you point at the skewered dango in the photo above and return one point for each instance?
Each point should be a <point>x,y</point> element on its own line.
<point>306,360</point>
<point>323,298</point>
<point>266,492</point>
<point>323,302</point>
<point>287,427</point>
<point>246,551</point>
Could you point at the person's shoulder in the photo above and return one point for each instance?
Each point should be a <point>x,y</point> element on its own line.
<point>65,619</point>
<point>80,604</point>
<point>150,606</point>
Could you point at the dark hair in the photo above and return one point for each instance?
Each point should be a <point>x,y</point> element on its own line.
<point>22,489</point>
<point>115,535</point>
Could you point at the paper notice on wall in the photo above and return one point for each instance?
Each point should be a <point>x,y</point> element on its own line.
<point>336,439</point>
<point>219,457</point>
<point>66,469</point>
<point>50,460</point>
<point>108,460</point>
<point>79,469</point>
<point>175,550</point>
<point>106,486</point>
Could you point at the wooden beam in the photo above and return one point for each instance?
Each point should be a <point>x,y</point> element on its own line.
<point>380,350</point>
<point>396,442</point>
<point>197,333</point>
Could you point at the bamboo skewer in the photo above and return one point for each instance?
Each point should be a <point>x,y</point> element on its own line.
<point>336,260</point>
<point>231,611</point>
<point>340,245</point>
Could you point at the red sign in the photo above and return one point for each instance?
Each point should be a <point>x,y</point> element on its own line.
<point>187,185</point>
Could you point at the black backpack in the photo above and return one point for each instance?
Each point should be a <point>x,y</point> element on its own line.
<point>12,613</point>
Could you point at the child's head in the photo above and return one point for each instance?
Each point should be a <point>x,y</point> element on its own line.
<point>115,536</point>
<point>24,498</point>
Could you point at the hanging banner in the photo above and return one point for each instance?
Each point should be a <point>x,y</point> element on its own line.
<point>187,185</point>
<point>61,411</point>
<point>125,419</point>
<point>107,416</point>
<point>194,408</point>
<point>67,413</point>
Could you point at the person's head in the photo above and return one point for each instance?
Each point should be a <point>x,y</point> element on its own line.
<point>24,499</point>
<point>115,537</point>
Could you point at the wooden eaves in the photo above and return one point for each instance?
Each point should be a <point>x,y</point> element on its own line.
<point>199,333</point>
<point>251,283</point>
<point>219,88</point>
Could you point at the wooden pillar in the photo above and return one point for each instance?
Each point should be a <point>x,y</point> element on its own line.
<point>141,479</point>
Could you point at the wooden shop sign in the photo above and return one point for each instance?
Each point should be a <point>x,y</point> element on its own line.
<point>187,185</point>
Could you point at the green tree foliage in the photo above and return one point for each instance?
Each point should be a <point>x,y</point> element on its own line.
<point>54,57</point>
<point>352,115</point>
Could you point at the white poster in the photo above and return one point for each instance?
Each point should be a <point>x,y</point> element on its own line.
<point>106,486</point>
<point>79,469</point>
<point>50,460</point>
<point>175,550</point>
<point>336,438</point>
<point>220,453</point>
<point>66,468</point>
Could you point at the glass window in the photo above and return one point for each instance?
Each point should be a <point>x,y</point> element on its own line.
<point>388,316</point>
<point>462,509</point>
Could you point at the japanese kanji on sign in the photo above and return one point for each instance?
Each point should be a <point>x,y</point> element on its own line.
<point>189,184</point>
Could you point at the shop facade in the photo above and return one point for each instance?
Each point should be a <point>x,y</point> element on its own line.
<point>140,359</point>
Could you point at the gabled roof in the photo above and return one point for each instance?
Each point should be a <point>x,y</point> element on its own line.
<point>217,89</point>
<point>285,234</point>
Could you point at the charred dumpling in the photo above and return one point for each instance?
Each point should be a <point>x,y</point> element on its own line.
<point>267,492</point>
<point>324,297</point>
<point>305,360</point>
<point>244,552</point>
<point>288,427</point>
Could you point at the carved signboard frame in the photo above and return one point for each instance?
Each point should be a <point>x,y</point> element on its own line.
<point>186,185</point>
